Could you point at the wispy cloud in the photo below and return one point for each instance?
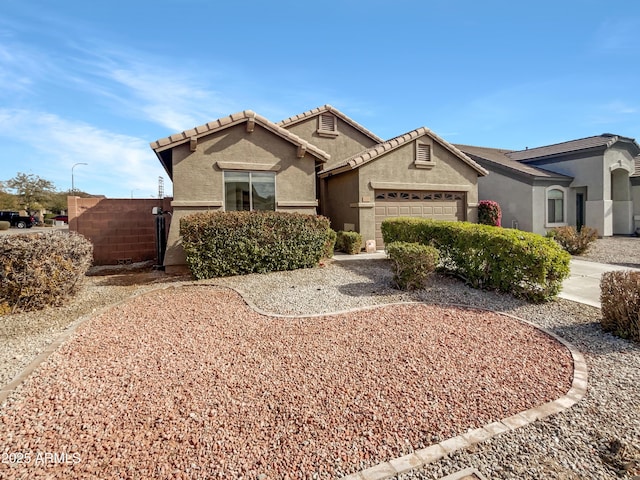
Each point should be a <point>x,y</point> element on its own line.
<point>115,161</point>
<point>148,90</point>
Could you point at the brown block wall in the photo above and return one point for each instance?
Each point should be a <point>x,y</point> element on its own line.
<point>121,230</point>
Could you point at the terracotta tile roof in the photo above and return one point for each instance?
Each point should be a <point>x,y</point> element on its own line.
<point>287,122</point>
<point>370,154</point>
<point>231,120</point>
<point>605,140</point>
<point>503,158</point>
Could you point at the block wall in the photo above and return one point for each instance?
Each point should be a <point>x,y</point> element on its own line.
<point>121,230</point>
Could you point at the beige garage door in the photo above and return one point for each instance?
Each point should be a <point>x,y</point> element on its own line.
<point>436,205</point>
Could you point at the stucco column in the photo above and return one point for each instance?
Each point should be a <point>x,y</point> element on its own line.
<point>599,215</point>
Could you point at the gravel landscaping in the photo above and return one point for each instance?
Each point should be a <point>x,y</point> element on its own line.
<point>597,438</point>
<point>211,388</point>
<point>616,250</point>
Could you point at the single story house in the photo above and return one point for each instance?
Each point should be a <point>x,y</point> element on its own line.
<point>593,181</point>
<point>320,161</point>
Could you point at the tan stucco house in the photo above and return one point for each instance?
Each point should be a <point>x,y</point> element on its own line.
<point>320,161</point>
<point>590,181</point>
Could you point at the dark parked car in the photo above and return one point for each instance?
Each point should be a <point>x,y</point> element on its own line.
<point>61,218</point>
<point>16,220</point>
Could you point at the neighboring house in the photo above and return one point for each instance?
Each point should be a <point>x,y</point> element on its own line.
<point>320,161</point>
<point>590,181</point>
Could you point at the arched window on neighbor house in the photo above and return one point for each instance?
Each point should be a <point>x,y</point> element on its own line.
<point>556,214</point>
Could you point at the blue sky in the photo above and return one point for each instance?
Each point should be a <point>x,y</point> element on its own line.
<point>96,82</point>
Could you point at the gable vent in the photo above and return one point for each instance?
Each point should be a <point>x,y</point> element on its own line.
<point>424,153</point>
<point>327,122</point>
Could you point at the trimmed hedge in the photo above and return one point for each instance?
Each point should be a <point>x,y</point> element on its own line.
<point>349,242</point>
<point>620,303</point>
<point>525,264</point>
<point>219,244</point>
<point>573,241</point>
<point>412,264</point>
<point>41,269</point>
<point>5,225</point>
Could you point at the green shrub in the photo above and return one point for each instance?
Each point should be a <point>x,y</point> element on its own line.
<point>412,264</point>
<point>330,244</point>
<point>573,241</point>
<point>42,269</point>
<point>5,225</point>
<point>349,242</point>
<point>523,263</point>
<point>489,213</point>
<point>219,244</point>
<point>620,303</point>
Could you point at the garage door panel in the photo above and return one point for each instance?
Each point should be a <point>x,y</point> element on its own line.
<point>436,205</point>
<point>392,211</point>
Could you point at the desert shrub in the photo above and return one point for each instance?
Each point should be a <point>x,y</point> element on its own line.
<point>219,244</point>
<point>525,264</point>
<point>620,303</point>
<point>349,242</point>
<point>573,241</point>
<point>489,213</point>
<point>412,263</point>
<point>5,225</point>
<point>329,244</point>
<point>37,270</point>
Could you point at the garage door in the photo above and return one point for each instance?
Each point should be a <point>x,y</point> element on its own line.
<point>406,203</point>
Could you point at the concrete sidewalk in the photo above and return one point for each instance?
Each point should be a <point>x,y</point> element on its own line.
<point>583,284</point>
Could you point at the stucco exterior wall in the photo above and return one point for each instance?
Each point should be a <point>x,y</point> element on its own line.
<point>619,164</point>
<point>608,205</point>
<point>348,142</point>
<point>514,197</point>
<point>586,171</point>
<point>342,192</point>
<point>198,183</point>
<point>635,197</point>
<point>397,169</point>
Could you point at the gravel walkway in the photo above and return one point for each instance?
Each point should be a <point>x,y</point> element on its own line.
<point>598,438</point>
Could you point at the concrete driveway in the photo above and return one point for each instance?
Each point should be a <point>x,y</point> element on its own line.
<point>583,284</point>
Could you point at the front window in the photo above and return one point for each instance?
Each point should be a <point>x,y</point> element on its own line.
<point>555,206</point>
<point>249,191</point>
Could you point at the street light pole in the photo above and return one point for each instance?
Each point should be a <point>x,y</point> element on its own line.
<point>73,188</point>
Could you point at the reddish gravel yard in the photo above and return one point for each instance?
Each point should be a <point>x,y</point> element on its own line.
<point>189,382</point>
